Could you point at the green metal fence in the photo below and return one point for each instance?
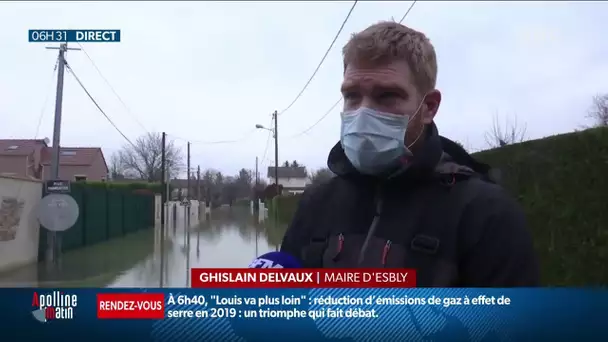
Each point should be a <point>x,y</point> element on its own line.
<point>105,213</point>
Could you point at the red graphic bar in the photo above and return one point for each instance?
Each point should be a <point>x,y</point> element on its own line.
<point>130,306</point>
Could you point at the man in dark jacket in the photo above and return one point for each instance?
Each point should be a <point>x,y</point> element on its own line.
<point>403,196</point>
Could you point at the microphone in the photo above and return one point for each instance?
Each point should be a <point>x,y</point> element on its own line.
<point>275,260</point>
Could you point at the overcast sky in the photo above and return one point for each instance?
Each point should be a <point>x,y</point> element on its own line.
<point>209,71</point>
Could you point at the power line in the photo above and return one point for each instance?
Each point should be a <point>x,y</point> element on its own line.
<point>267,144</point>
<point>40,116</point>
<point>408,11</point>
<point>245,136</point>
<point>318,121</point>
<point>323,59</point>
<point>96,104</point>
<point>112,88</point>
<point>335,104</point>
<point>46,100</point>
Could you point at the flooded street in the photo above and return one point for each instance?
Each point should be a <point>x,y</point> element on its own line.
<point>230,237</point>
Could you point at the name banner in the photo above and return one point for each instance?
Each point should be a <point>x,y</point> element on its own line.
<point>317,314</point>
<point>302,278</point>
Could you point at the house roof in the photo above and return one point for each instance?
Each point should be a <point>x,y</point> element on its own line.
<point>68,155</point>
<point>71,155</point>
<point>19,147</point>
<point>81,156</point>
<point>288,172</point>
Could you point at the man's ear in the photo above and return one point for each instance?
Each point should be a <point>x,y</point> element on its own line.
<point>430,106</point>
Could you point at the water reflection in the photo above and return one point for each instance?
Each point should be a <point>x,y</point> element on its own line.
<point>229,237</point>
<point>98,265</point>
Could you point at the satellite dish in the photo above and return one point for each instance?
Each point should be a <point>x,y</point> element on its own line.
<point>39,315</point>
<point>47,141</point>
<point>58,212</point>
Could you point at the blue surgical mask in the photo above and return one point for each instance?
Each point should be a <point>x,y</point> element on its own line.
<point>374,141</point>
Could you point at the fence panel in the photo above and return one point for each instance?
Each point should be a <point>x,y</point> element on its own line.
<point>74,237</point>
<point>96,214</point>
<point>115,214</point>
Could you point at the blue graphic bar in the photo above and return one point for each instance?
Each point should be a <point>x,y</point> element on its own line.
<point>268,315</point>
<point>69,36</point>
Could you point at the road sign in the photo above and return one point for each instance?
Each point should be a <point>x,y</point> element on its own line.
<point>185,202</point>
<point>58,212</point>
<point>57,186</point>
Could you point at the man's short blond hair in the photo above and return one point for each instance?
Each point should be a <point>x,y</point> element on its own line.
<point>389,41</point>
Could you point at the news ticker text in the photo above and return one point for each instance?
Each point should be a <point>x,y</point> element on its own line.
<point>73,36</point>
<point>175,306</point>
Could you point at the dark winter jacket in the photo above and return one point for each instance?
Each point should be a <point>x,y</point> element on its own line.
<point>439,213</point>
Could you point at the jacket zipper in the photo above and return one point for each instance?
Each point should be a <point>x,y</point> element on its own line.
<point>379,204</point>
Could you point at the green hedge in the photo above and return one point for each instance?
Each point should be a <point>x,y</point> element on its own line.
<point>137,185</point>
<point>562,184</point>
<point>287,207</point>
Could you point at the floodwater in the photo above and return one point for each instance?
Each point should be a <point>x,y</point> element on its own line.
<point>228,237</point>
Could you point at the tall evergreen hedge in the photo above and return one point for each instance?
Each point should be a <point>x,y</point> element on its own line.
<point>562,184</point>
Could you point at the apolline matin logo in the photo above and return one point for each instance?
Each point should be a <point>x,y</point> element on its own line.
<point>56,305</point>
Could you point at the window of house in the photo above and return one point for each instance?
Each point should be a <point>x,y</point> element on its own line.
<point>80,178</point>
<point>68,153</point>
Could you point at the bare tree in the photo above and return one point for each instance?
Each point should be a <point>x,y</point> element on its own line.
<point>321,176</point>
<point>599,110</point>
<point>116,170</point>
<point>143,158</point>
<point>244,183</point>
<point>510,133</point>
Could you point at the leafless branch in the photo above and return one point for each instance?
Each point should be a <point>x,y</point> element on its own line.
<point>599,110</point>
<point>145,157</point>
<point>510,133</point>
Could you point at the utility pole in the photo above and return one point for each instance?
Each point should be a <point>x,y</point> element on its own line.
<point>188,193</point>
<point>53,238</point>
<point>257,177</point>
<point>163,198</point>
<point>256,195</point>
<point>256,205</point>
<point>198,183</point>
<point>163,181</point>
<point>198,192</point>
<point>276,168</point>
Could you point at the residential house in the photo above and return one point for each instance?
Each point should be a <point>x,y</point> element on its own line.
<point>32,158</point>
<point>19,157</point>
<point>77,163</point>
<point>179,188</point>
<point>293,179</point>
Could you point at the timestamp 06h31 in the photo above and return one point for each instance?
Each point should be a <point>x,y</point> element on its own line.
<point>68,36</point>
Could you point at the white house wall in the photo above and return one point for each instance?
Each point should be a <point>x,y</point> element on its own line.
<point>292,182</point>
